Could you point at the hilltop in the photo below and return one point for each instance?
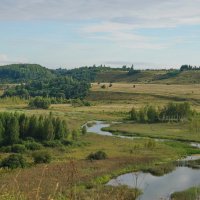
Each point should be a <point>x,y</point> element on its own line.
<point>16,73</point>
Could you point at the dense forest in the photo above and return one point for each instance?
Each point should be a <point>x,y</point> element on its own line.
<point>18,73</point>
<point>61,87</point>
<point>15,127</point>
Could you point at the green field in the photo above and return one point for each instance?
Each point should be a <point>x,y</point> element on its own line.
<point>70,168</point>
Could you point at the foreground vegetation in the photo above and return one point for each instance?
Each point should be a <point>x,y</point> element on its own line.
<point>46,152</point>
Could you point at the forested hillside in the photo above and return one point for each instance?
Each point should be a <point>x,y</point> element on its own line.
<point>61,87</point>
<point>17,73</point>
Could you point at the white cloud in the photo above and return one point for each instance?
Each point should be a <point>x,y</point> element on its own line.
<point>140,13</point>
<point>5,59</point>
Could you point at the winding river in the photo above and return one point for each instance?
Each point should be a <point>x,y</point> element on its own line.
<point>154,187</point>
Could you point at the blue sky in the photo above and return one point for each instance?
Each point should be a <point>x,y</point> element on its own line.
<point>66,33</point>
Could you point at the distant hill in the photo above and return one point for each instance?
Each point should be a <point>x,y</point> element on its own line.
<point>17,73</point>
<point>151,76</point>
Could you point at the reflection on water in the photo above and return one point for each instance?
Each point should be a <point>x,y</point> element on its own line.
<point>96,128</point>
<point>156,188</point>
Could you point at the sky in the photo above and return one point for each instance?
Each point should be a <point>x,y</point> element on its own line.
<point>74,33</point>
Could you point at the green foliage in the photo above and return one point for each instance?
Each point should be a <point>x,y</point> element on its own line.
<point>17,73</point>
<point>12,130</point>
<point>75,134</point>
<point>18,148</point>
<point>40,102</point>
<point>14,161</point>
<point>134,114</point>
<point>60,87</point>
<point>189,194</point>
<point>80,102</point>
<point>152,114</point>
<point>84,130</point>
<point>151,144</point>
<point>132,71</point>
<point>188,67</point>
<point>33,146</point>
<point>16,127</point>
<point>53,144</point>
<point>42,157</point>
<point>87,74</point>
<point>194,124</point>
<point>6,149</point>
<point>170,112</point>
<point>99,155</point>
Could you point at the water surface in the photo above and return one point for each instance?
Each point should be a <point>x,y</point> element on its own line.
<point>156,188</point>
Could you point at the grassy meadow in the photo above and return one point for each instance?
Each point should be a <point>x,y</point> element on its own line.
<point>70,175</point>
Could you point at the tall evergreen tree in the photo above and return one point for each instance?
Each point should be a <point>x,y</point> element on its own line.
<point>13,131</point>
<point>48,130</point>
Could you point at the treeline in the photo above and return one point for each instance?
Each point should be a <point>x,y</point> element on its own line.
<point>171,112</point>
<point>189,67</point>
<point>63,87</point>
<point>86,73</point>
<point>15,127</point>
<point>17,73</point>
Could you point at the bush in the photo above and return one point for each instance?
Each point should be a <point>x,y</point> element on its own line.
<point>14,161</point>
<point>33,146</point>
<point>53,144</point>
<point>103,86</point>
<point>99,155</point>
<point>84,130</point>
<point>40,102</point>
<point>18,148</point>
<point>6,149</point>
<point>67,142</point>
<point>42,157</point>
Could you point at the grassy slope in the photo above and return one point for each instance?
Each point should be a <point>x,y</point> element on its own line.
<point>124,96</point>
<point>150,76</point>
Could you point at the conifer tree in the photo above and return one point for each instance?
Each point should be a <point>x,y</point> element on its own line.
<point>13,131</point>
<point>48,130</point>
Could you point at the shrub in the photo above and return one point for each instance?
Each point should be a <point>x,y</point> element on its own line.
<point>84,130</point>
<point>30,139</point>
<point>14,161</point>
<point>33,146</point>
<point>53,144</point>
<point>40,102</point>
<point>67,142</point>
<point>41,157</point>
<point>18,148</point>
<point>6,149</point>
<point>99,155</point>
<point>103,86</point>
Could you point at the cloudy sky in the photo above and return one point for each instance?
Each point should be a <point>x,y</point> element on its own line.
<point>71,33</point>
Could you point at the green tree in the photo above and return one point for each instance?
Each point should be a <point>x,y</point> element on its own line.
<point>84,130</point>
<point>13,131</point>
<point>74,135</point>
<point>152,114</point>
<point>134,114</point>
<point>48,131</point>
<point>2,132</point>
<point>60,129</point>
